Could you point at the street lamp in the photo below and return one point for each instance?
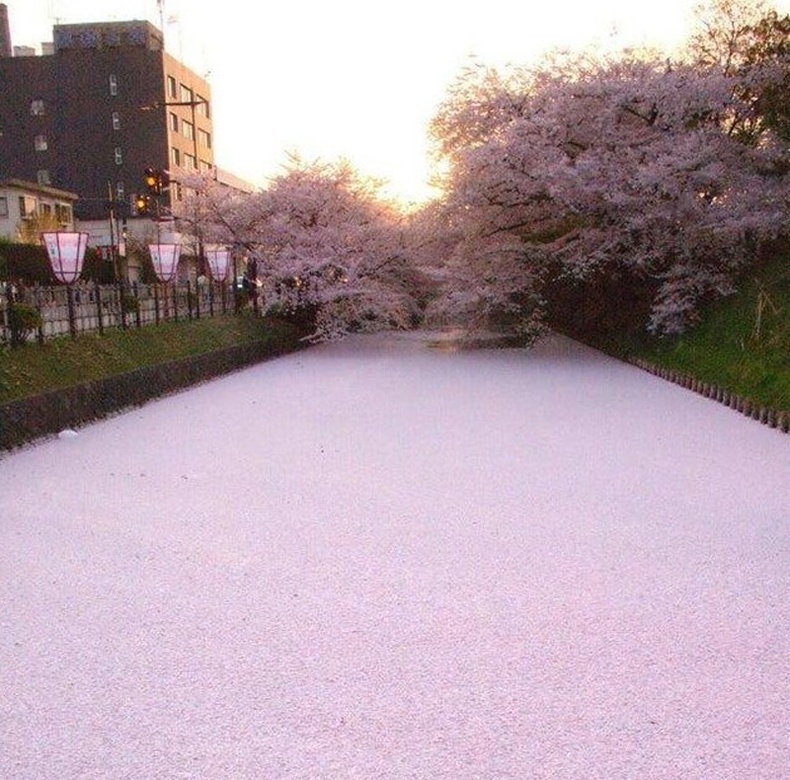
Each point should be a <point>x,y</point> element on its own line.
<point>218,264</point>
<point>66,251</point>
<point>164,257</point>
<point>165,260</point>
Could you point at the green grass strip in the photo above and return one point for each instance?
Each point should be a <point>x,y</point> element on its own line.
<point>65,362</point>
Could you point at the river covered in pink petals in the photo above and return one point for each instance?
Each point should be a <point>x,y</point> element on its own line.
<point>386,559</point>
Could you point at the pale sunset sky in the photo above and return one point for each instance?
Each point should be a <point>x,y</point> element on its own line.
<point>352,79</point>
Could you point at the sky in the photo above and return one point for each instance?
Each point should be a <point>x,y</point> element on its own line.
<point>353,79</point>
<point>379,559</point>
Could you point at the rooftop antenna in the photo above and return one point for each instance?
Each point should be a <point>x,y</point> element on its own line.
<point>173,19</point>
<point>52,13</point>
<point>160,4</point>
<point>53,18</point>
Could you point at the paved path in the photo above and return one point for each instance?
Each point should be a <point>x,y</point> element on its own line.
<point>379,559</point>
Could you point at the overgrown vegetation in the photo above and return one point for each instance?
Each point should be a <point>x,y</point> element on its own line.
<point>742,343</point>
<point>65,362</point>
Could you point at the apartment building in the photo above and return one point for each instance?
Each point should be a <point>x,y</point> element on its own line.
<point>104,102</point>
<point>20,200</point>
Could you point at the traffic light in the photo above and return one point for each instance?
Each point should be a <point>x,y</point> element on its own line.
<point>151,179</point>
<point>156,182</point>
<point>142,204</point>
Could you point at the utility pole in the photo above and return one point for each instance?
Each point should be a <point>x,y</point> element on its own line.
<point>113,232</point>
<point>192,105</point>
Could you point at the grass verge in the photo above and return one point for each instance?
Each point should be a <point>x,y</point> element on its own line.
<point>742,343</point>
<point>65,362</point>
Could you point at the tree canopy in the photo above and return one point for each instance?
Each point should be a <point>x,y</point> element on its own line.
<point>667,176</point>
<point>323,242</point>
<point>673,173</point>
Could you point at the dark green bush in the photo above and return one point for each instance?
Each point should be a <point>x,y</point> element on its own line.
<point>23,320</point>
<point>130,304</point>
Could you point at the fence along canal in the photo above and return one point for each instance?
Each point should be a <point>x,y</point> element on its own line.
<point>90,307</point>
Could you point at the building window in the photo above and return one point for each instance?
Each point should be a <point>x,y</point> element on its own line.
<point>40,142</point>
<point>188,129</point>
<point>46,208</point>
<point>118,155</point>
<point>116,120</point>
<point>63,213</point>
<point>113,84</point>
<point>3,206</point>
<point>171,87</point>
<point>37,108</point>
<point>175,156</point>
<point>186,94</point>
<point>43,177</point>
<point>205,138</point>
<point>203,107</point>
<point>27,206</point>
<point>173,122</point>
<point>190,162</point>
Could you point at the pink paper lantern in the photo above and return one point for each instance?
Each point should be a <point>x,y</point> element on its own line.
<point>66,252</point>
<point>165,260</point>
<point>218,263</point>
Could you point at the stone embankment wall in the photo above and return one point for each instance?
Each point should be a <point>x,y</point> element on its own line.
<point>28,419</point>
<point>44,415</point>
<point>771,417</point>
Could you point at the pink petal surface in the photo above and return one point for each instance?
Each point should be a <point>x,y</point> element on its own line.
<point>375,559</point>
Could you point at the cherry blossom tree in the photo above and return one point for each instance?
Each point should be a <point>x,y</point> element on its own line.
<point>325,243</point>
<point>666,177</point>
<point>624,165</point>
